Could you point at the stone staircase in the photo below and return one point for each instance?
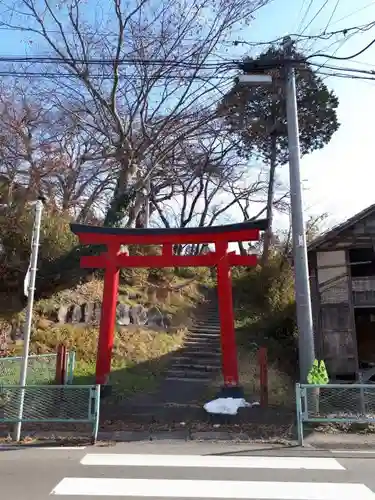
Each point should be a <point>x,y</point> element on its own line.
<point>199,360</point>
<point>192,370</point>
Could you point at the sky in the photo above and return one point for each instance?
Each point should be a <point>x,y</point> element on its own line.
<point>338,179</point>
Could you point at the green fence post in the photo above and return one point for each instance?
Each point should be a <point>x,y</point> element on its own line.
<point>71,366</point>
<point>299,415</point>
<point>96,413</point>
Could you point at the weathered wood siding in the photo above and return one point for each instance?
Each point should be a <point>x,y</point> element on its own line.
<point>337,331</point>
<point>315,304</point>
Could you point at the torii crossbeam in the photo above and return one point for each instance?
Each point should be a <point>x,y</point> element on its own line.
<point>113,259</point>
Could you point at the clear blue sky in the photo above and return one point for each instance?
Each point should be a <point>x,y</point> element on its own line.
<point>340,178</point>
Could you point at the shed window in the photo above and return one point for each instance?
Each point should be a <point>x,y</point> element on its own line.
<point>362,262</point>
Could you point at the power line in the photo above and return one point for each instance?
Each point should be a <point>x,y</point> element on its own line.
<point>351,77</point>
<point>371,4</point>
<point>324,35</point>
<point>124,61</point>
<point>316,15</point>
<point>305,15</point>
<point>39,74</point>
<point>332,14</point>
<point>340,45</point>
<point>346,58</point>
<point>350,70</point>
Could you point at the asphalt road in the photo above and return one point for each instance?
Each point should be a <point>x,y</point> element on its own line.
<point>185,470</point>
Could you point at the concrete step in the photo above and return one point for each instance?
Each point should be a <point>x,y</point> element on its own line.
<point>196,360</point>
<point>202,344</point>
<point>203,334</point>
<point>188,367</point>
<point>207,309</point>
<point>189,374</point>
<point>204,380</point>
<point>204,328</point>
<point>209,341</point>
<point>203,338</point>
<point>206,324</point>
<point>199,354</point>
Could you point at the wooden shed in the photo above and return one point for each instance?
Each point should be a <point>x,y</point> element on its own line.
<point>342,279</point>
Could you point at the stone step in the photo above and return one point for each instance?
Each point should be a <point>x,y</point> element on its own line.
<point>203,337</point>
<point>189,374</point>
<point>209,341</point>
<point>203,334</point>
<point>196,360</point>
<point>188,367</point>
<point>204,380</point>
<point>205,325</point>
<point>203,344</point>
<point>198,354</point>
<point>203,328</point>
<point>208,310</point>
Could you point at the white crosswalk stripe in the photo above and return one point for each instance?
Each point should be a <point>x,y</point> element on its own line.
<point>121,467</point>
<point>214,462</point>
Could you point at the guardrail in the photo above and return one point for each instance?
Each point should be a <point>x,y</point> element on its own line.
<point>77,404</point>
<point>334,403</point>
<point>41,369</point>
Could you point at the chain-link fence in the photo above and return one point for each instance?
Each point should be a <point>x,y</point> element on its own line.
<point>51,404</point>
<point>41,369</point>
<point>337,403</point>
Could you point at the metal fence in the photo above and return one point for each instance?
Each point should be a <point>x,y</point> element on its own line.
<point>334,403</point>
<point>41,369</point>
<point>51,404</point>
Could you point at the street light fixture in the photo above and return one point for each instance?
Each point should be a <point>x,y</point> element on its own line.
<point>254,79</point>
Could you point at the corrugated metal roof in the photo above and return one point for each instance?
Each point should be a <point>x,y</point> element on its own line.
<point>335,231</point>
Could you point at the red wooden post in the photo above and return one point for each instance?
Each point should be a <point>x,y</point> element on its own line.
<point>263,376</point>
<point>60,364</point>
<point>228,335</point>
<point>64,360</point>
<point>107,324</point>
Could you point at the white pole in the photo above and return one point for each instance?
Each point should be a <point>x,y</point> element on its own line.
<point>29,313</point>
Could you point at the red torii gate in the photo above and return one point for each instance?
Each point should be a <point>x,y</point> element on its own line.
<point>113,259</point>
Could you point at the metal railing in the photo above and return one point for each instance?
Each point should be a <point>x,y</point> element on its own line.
<point>45,404</point>
<point>41,369</point>
<point>334,403</point>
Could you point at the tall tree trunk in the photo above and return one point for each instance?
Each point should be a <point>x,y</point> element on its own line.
<point>242,248</point>
<point>270,199</point>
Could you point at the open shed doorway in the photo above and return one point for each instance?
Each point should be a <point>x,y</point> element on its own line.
<point>365,329</point>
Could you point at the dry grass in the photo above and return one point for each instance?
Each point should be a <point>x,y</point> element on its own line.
<point>280,385</point>
<point>139,358</point>
<point>140,355</point>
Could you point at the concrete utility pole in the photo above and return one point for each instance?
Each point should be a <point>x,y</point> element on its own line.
<point>301,270</point>
<point>29,313</point>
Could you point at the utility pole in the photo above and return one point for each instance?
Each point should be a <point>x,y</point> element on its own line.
<point>301,270</point>
<point>29,313</point>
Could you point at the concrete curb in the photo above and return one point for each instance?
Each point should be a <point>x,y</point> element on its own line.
<point>314,442</point>
<point>147,436</point>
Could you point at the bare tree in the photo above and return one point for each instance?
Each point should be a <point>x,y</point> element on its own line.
<point>208,181</point>
<point>142,76</point>
<point>45,152</point>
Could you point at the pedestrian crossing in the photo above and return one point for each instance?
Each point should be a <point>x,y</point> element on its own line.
<point>210,477</point>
